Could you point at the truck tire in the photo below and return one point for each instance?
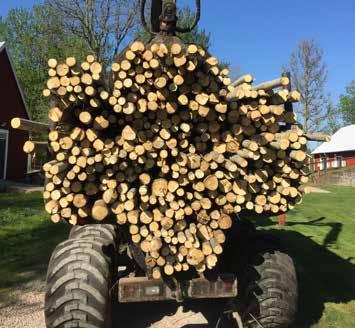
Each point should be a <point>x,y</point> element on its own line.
<point>79,279</point>
<point>104,231</point>
<point>268,291</point>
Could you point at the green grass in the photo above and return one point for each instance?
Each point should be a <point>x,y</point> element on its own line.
<point>27,238</point>
<point>320,236</point>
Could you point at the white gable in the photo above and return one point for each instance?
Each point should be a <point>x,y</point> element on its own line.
<point>342,140</point>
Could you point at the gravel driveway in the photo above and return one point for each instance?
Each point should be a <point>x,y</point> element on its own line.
<point>26,311</point>
<point>24,307</point>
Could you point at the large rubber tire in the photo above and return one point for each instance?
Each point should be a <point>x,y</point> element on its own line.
<point>268,291</point>
<point>104,231</point>
<point>79,278</point>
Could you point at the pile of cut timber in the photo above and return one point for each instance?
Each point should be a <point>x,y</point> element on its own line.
<point>170,148</point>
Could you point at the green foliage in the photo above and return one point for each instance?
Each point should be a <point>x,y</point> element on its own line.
<point>197,35</point>
<point>186,16</point>
<point>32,37</point>
<point>347,104</point>
<point>334,119</point>
<point>223,64</point>
<point>27,238</point>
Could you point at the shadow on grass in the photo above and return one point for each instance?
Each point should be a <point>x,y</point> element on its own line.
<point>323,276</point>
<point>330,239</point>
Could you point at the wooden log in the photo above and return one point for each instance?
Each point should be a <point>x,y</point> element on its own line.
<point>58,168</point>
<point>211,182</point>
<point>317,137</point>
<point>239,160</point>
<point>216,247</point>
<point>27,125</point>
<point>52,62</point>
<point>168,269</point>
<point>159,187</point>
<point>30,146</point>
<point>282,144</point>
<point>128,133</point>
<point>298,155</point>
<point>80,200</point>
<point>243,79</point>
<point>225,222</point>
<point>280,82</point>
<point>99,210</point>
<point>55,114</point>
<point>195,257</point>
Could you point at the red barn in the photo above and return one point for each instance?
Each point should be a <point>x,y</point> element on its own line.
<point>13,161</point>
<point>338,152</point>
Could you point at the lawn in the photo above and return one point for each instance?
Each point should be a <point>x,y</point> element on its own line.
<point>27,238</point>
<point>319,235</point>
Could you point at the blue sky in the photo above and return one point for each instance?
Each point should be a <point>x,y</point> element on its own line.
<point>258,36</point>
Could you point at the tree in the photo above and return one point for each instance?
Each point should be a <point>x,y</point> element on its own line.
<point>185,18</point>
<point>347,104</point>
<point>334,120</point>
<point>309,74</point>
<point>32,37</point>
<point>197,35</point>
<point>102,24</point>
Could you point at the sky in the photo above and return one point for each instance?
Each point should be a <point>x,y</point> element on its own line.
<point>258,36</point>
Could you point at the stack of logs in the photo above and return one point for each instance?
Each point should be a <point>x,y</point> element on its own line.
<point>170,148</point>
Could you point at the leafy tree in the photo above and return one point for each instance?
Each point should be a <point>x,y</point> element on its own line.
<point>309,75</point>
<point>334,120</point>
<point>102,24</point>
<point>32,37</point>
<point>197,35</point>
<point>347,104</point>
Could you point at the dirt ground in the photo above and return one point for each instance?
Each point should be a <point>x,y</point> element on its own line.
<point>311,189</point>
<point>26,311</point>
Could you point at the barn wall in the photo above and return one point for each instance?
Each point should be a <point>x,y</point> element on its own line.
<point>348,159</point>
<point>316,162</point>
<point>11,105</point>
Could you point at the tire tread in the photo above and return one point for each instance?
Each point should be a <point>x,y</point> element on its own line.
<point>269,291</point>
<point>79,278</point>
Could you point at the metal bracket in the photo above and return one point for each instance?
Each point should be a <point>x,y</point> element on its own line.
<point>134,289</point>
<point>164,17</point>
<point>168,18</point>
